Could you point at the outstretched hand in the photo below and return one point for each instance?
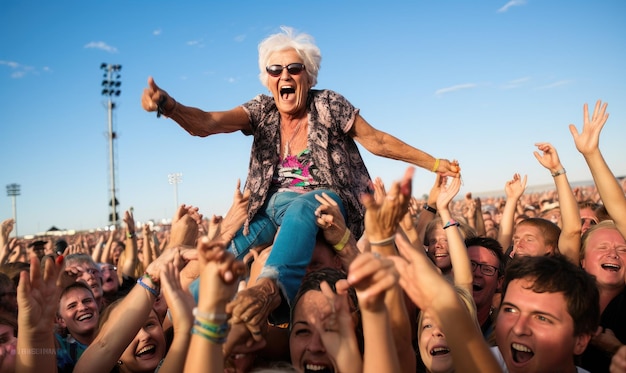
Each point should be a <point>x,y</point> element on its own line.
<point>38,294</point>
<point>587,141</point>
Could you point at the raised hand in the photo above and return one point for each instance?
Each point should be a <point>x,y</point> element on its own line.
<point>587,140</point>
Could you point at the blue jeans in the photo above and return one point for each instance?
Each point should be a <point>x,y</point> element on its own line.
<point>293,247</point>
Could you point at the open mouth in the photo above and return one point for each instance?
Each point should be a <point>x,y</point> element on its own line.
<point>477,287</point>
<point>318,368</point>
<point>87,316</point>
<point>521,353</point>
<point>611,267</point>
<point>285,91</point>
<point>146,351</point>
<point>439,351</point>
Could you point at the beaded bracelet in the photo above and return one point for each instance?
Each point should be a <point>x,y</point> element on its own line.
<point>217,330</point>
<point>344,240</point>
<point>152,291</point>
<point>209,316</point>
<point>451,223</point>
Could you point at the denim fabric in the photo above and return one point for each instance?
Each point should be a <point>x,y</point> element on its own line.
<point>293,246</point>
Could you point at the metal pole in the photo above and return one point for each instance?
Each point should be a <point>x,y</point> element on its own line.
<point>112,158</point>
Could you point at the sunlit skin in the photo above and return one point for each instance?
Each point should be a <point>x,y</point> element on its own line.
<point>8,343</point>
<point>110,281</point>
<point>483,287</point>
<point>528,241</point>
<point>78,313</point>
<point>146,350</point>
<point>433,347</point>
<point>91,276</point>
<point>305,343</point>
<point>535,332</point>
<point>588,218</point>
<point>289,104</point>
<point>605,258</point>
<point>438,249</point>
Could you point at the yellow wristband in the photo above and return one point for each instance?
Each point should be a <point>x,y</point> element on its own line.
<point>436,166</point>
<point>344,240</point>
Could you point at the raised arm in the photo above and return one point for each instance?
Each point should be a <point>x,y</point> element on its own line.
<point>587,143</point>
<point>385,145</point>
<point>514,189</point>
<point>131,258</point>
<point>569,240</point>
<point>193,120</point>
<point>425,285</point>
<point>456,246</point>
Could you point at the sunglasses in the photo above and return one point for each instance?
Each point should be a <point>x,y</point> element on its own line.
<point>292,68</point>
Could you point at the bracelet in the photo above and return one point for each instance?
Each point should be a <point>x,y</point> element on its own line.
<point>384,242</point>
<point>436,166</point>
<point>559,172</point>
<point>344,240</point>
<point>161,106</point>
<point>130,235</point>
<point>217,330</point>
<point>430,209</point>
<point>451,223</point>
<point>209,316</point>
<point>152,291</point>
<point>197,331</point>
<point>147,275</point>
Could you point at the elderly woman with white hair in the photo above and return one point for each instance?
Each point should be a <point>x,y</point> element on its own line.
<point>303,146</point>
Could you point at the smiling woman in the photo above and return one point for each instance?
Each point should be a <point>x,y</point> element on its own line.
<point>304,145</point>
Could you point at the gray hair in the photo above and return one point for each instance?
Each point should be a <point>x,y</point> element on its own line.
<point>302,43</point>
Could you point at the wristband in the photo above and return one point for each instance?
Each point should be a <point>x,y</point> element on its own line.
<point>436,166</point>
<point>344,240</point>
<point>385,242</point>
<point>152,291</point>
<point>559,172</point>
<point>451,223</point>
<point>130,235</point>
<point>430,209</point>
<point>209,316</point>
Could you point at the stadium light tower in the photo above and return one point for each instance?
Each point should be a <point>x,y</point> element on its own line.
<point>13,190</point>
<point>175,179</point>
<point>111,87</point>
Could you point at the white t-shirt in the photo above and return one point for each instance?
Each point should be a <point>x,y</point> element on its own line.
<point>496,352</point>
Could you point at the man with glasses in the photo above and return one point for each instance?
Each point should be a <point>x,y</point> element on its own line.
<point>81,267</point>
<point>487,263</point>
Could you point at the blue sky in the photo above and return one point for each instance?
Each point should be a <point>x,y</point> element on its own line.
<point>479,81</point>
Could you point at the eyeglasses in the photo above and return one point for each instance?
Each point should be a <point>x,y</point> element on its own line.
<point>292,68</point>
<point>591,221</point>
<point>485,269</point>
<point>108,268</point>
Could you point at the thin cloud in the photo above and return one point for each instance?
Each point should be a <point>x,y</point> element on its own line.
<point>156,32</point>
<point>102,46</point>
<point>240,38</point>
<point>555,84</point>
<point>515,83</point>
<point>19,71</point>
<point>454,88</point>
<point>195,43</point>
<point>511,4</point>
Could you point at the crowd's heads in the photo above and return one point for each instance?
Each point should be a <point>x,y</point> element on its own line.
<point>87,271</point>
<point>588,216</point>
<point>536,236</point>
<point>549,311</point>
<point>8,341</point>
<point>302,43</point>
<point>147,348</point>
<point>603,254</point>
<point>310,309</point>
<point>433,347</point>
<point>487,261</point>
<point>38,247</point>
<point>8,294</point>
<point>78,312</point>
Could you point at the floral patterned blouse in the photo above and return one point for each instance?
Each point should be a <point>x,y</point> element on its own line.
<point>338,163</point>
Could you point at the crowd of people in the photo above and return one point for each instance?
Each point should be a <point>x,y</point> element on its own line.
<point>317,267</point>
